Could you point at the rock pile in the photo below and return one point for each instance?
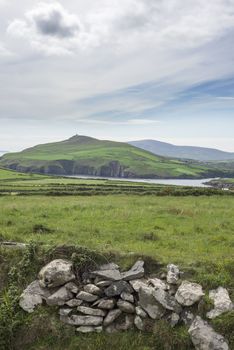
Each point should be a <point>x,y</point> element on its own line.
<point>110,300</point>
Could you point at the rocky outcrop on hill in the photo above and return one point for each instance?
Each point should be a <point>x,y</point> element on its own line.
<point>107,299</point>
<point>71,167</point>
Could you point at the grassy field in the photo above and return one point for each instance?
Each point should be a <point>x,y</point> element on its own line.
<point>183,230</point>
<point>15,183</point>
<point>194,231</point>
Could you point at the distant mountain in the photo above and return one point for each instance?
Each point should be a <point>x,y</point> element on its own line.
<point>82,155</point>
<point>186,152</point>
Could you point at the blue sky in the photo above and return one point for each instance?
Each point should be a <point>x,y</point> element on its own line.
<point>117,69</point>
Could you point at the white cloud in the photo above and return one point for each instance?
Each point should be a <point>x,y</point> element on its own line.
<point>70,51</point>
<point>124,122</point>
<point>48,27</point>
<point>125,25</point>
<point>225,98</point>
<point>4,52</point>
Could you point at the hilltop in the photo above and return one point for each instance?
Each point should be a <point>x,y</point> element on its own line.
<point>186,152</point>
<point>83,155</point>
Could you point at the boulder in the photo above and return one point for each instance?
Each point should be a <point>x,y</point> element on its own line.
<point>72,287</point>
<point>106,304</point>
<point>74,302</point>
<point>109,266</point>
<point>32,296</point>
<point>78,320</point>
<point>90,311</point>
<point>65,311</point>
<point>137,271</point>
<point>125,306</point>
<point>140,312</point>
<point>173,274</point>
<point>112,316</point>
<point>127,297</point>
<point>87,297</point>
<point>137,284</point>
<point>139,323</point>
<point>166,300</point>
<point>89,329</point>
<point>60,297</point>
<point>157,283</point>
<point>204,337</point>
<point>117,288</point>
<point>174,319</point>
<point>149,303</point>
<point>189,293</point>
<point>56,273</point>
<point>92,289</point>
<point>112,275</point>
<point>103,284</point>
<point>222,302</point>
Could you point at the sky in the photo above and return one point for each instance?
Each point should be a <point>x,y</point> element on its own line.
<point>117,69</point>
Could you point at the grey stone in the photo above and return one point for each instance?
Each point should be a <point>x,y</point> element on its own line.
<point>167,301</point>
<point>109,266</point>
<point>205,338</point>
<point>92,289</point>
<point>125,306</point>
<point>139,323</point>
<point>56,273</point>
<point>103,284</point>
<point>13,245</point>
<point>32,296</point>
<point>89,329</point>
<point>189,293</point>
<point>106,304</point>
<point>72,287</point>
<point>66,320</point>
<point>60,297</point>
<point>222,302</point>
<point>117,288</point>
<point>173,274</point>
<point>112,316</point>
<point>140,312</point>
<point>86,297</point>
<point>90,311</point>
<point>78,320</point>
<point>174,319</point>
<point>65,311</point>
<point>112,275</point>
<point>74,302</point>
<point>127,297</point>
<point>137,271</point>
<point>157,283</point>
<point>137,284</point>
<point>149,304</point>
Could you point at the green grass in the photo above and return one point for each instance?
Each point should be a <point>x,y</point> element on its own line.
<point>14,183</point>
<point>124,222</point>
<point>9,175</point>
<point>88,153</point>
<point>189,231</point>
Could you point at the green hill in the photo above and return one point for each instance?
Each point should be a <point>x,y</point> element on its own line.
<point>82,155</point>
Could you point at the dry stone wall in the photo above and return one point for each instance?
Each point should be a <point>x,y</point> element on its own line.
<point>110,300</point>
